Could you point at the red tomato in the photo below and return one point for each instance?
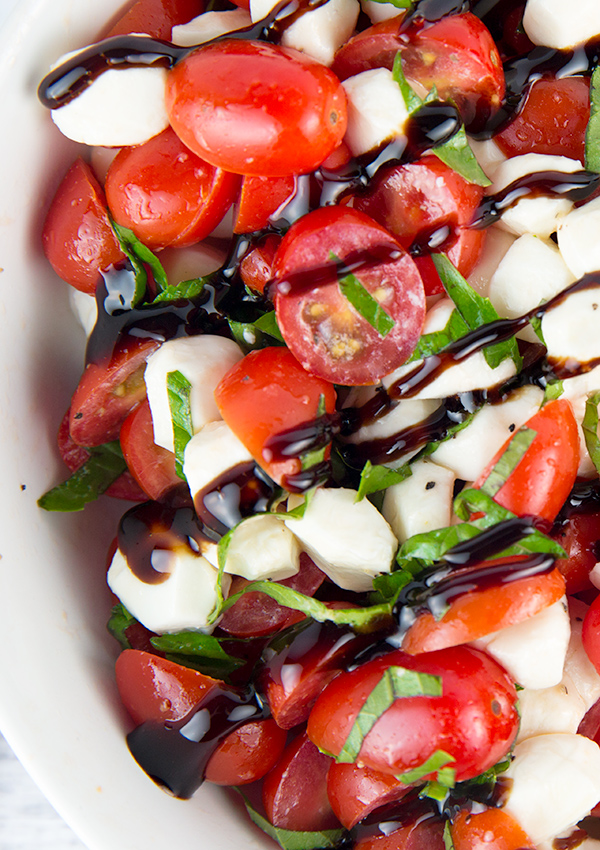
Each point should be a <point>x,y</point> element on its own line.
<point>590,633</point>
<point>354,792</point>
<point>260,198</point>
<point>77,236</point>
<point>492,829</point>
<point>295,791</point>
<point>256,269</point>
<point>579,536</point>
<point>327,334</point>
<point>479,612</point>
<point>545,475</point>
<point>375,47</point>
<point>152,688</point>
<point>266,393</point>
<point>166,194</point>
<point>552,121</point>
<point>108,392</point>
<point>419,199</point>
<point>475,720</point>
<point>247,754</point>
<point>156,17</point>
<point>458,56</point>
<point>256,108</point>
<point>419,834</point>
<point>152,466</point>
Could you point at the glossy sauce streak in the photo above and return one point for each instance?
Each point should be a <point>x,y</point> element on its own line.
<point>236,494</point>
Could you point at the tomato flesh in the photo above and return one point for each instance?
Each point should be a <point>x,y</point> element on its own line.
<point>355,791</point>
<point>155,17</point>
<point>246,754</point>
<point>492,829</point>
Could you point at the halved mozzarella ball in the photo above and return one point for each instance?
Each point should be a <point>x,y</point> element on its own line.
<point>211,452</point>
<point>420,503</point>
<point>377,112</point>
<point>561,23</point>
<point>496,244</point>
<point>209,25</point>
<point>262,547</point>
<point>578,238</point>
<point>571,328</point>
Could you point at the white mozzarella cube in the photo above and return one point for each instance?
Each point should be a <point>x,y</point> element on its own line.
<point>578,238</point>
<point>488,155</point>
<point>556,709</point>
<point>85,309</point>
<point>420,503</point>
<point>496,244</point>
<point>210,453</point>
<point>534,651</point>
<point>571,328</point>
<point>576,390</point>
<point>349,540</point>
<point>262,547</point>
<point>183,600</point>
<point>318,32</point>
<point>532,271</point>
<point>379,11</point>
<point>578,666</point>
<point>191,262</point>
<point>538,215</point>
<point>121,107</point>
<point>555,783</point>
<point>203,360</point>
<point>376,110</point>
<point>209,25</point>
<point>469,451</point>
<point>561,23</point>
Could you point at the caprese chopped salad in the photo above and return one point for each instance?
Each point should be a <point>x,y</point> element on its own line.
<point>338,265</point>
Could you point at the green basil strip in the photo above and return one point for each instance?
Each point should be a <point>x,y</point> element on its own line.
<point>138,253</point>
<point>203,652</point>
<point>590,428</point>
<point>508,461</point>
<point>458,155</point>
<point>267,323</point>
<point>395,683</point>
<point>433,343</point>
<point>119,621</point>
<point>365,305</point>
<point>376,478</point>
<point>592,133</point>
<point>476,310</point>
<point>434,790</point>
<point>553,390</point>
<point>448,842</point>
<point>178,391</point>
<point>412,100</point>
<point>186,290</point>
<point>103,467</point>
<point>399,4</point>
<point>437,762</point>
<point>291,839</point>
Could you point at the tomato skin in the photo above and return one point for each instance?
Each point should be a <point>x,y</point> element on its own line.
<point>166,194</point>
<point>375,47</point>
<point>247,754</point>
<point>77,237</point>
<point>155,17</point>
<point>259,199</point>
<point>256,269</point>
<point>266,393</point>
<point>479,612</point>
<point>152,688</point>
<point>590,633</point>
<point>320,326</point>
<point>223,105</point>
<point>545,475</point>
<point>355,791</point>
<point>579,536</point>
<point>424,834</point>
<point>552,121</point>
<point>492,829</point>
<point>475,720</point>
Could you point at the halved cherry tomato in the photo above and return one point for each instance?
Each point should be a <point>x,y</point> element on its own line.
<point>260,198</point>
<point>77,236</point>
<point>355,791</point>
<point>266,393</point>
<point>295,791</point>
<point>420,200</point>
<point>256,269</point>
<point>475,720</point>
<point>246,754</point>
<point>156,17</point>
<point>224,105</point>
<point>545,475</point>
<point>492,829</point>
<point>375,47</point>
<point>553,120</point>
<point>324,330</point>
<point>590,633</point>
<point>108,392</point>
<point>579,536</point>
<point>479,612</point>
<point>425,833</point>
<point>166,194</point>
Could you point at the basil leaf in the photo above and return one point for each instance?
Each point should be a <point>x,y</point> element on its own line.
<point>376,478</point>
<point>387,586</point>
<point>259,334</point>
<point>138,254</point>
<point>178,391</point>
<point>434,790</point>
<point>315,456</point>
<point>508,460</point>
<point>399,4</point>
<point>105,465</point>
<point>363,302</point>
<point>412,100</point>
<point>448,842</point>
<point>475,309</point>
<point>436,762</point>
<point>267,323</point>
<point>553,390</point>
<point>433,343</point>
<point>205,650</point>
<point>186,290</point>
<point>536,325</point>
<point>590,428</point>
<point>592,133</point>
<point>395,683</point>
<point>458,155</point>
<point>119,621</point>
<point>291,839</point>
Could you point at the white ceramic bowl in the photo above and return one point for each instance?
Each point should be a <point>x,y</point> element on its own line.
<point>59,708</point>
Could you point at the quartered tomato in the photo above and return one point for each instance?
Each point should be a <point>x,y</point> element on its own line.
<point>375,47</point>
<point>491,829</point>
<point>256,269</point>
<point>355,791</point>
<point>246,754</point>
<point>156,17</point>
<point>256,108</point>
<point>590,633</point>
<point>322,324</point>
<point>166,194</point>
<point>579,535</point>
<point>260,198</point>
<point>425,832</point>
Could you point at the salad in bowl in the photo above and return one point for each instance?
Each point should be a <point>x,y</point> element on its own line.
<point>337,272</point>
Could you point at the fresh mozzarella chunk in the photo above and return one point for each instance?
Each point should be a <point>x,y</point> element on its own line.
<point>403,415</point>
<point>189,263</point>
<point>555,783</point>
<point>210,454</point>
<point>421,502</point>
<point>121,107</point>
<point>319,32</point>
<point>469,451</point>
<point>571,328</point>
<point>350,541</point>
<point>561,23</point>
<point>208,26</point>
<point>203,360</point>
<point>541,215</point>
<point>379,11</point>
<point>376,110</point>
<point>184,600</point>
<point>578,238</point>
<point>576,390</point>
<point>531,271</point>
<point>497,242</point>
<point>85,309</point>
<point>578,666</point>
<point>262,547</point>
<point>488,155</point>
<point>533,651</point>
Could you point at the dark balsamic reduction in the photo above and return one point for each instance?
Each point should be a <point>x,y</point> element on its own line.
<point>237,493</point>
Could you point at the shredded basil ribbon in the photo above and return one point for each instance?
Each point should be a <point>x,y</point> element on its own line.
<point>178,391</point>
